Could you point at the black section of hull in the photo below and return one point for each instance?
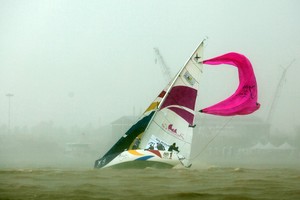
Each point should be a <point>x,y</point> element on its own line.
<point>124,142</point>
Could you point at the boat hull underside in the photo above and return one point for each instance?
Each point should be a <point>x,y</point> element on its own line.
<point>138,164</point>
<point>140,159</point>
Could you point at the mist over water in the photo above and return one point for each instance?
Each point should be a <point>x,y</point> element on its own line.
<point>48,145</point>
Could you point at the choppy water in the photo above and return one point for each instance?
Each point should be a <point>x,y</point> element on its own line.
<point>209,183</point>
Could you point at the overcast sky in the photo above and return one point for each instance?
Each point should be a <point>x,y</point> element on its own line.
<point>80,62</point>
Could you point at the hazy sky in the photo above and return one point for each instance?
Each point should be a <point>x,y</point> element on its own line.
<point>79,62</point>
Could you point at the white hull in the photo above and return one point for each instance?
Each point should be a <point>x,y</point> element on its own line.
<point>145,158</point>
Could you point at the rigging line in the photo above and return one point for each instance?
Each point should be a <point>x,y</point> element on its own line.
<point>217,134</point>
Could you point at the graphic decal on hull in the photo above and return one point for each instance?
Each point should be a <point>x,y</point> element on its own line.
<point>134,152</point>
<point>145,158</point>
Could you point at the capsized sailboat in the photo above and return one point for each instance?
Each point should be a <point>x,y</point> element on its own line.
<point>162,137</point>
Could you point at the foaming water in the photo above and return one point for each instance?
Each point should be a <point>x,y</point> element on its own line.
<point>149,183</point>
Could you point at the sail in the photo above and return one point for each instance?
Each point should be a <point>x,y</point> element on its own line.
<point>174,119</point>
<point>127,140</point>
<point>244,99</point>
<point>169,118</point>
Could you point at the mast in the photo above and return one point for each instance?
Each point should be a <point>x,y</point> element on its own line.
<point>172,83</point>
<point>177,75</point>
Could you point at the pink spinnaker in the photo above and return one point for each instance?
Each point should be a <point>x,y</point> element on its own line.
<point>244,99</point>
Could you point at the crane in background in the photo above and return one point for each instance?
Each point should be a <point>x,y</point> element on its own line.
<point>277,92</point>
<point>165,69</point>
